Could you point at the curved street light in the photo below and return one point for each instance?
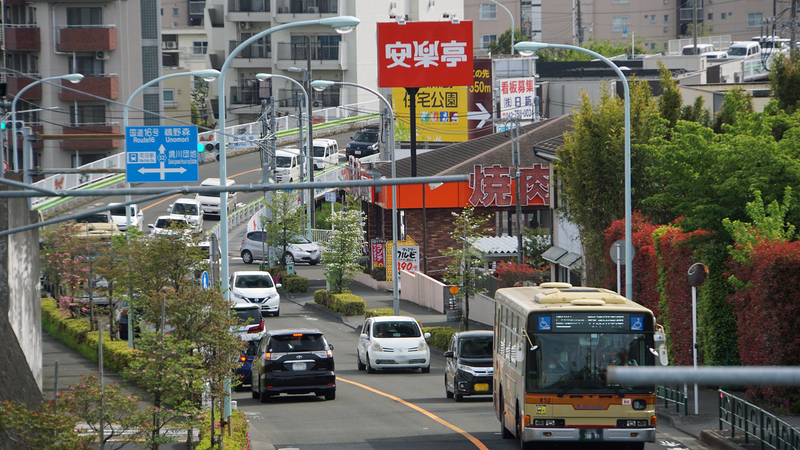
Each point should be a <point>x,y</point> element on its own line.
<point>512,23</point>
<point>321,85</point>
<point>529,48</point>
<point>26,158</point>
<point>308,143</point>
<point>206,74</point>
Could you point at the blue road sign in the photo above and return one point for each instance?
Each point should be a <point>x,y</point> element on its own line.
<point>161,154</point>
<point>330,196</point>
<point>204,280</point>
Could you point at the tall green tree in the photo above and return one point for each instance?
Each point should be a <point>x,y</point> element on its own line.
<point>603,47</point>
<point>283,223</point>
<point>502,46</point>
<point>464,258</point>
<point>343,251</point>
<point>738,104</point>
<point>784,80</point>
<point>671,100</point>
<point>592,166</point>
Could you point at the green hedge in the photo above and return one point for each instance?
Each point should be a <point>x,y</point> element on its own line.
<point>440,336</point>
<point>239,438</point>
<point>75,334</point>
<point>294,283</point>
<point>379,312</point>
<point>346,304</point>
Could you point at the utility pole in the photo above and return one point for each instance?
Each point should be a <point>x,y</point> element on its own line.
<point>694,25</point>
<point>793,24</point>
<point>309,90</point>
<point>578,21</point>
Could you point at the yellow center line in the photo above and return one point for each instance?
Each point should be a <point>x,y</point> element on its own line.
<point>470,437</point>
<point>177,195</point>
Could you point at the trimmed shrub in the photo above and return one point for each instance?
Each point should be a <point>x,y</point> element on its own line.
<point>239,438</point>
<point>379,312</point>
<point>294,283</point>
<point>345,303</point>
<point>440,336</point>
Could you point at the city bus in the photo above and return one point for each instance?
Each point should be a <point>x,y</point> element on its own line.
<point>552,347</point>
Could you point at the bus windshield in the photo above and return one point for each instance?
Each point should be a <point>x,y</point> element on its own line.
<point>578,362</point>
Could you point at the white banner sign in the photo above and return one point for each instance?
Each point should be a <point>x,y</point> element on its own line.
<point>516,98</point>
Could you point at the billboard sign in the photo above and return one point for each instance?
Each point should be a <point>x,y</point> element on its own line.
<point>441,114</point>
<point>479,99</point>
<point>419,54</point>
<point>516,98</point>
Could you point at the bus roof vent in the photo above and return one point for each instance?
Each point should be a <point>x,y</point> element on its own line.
<point>587,302</point>
<point>555,285</point>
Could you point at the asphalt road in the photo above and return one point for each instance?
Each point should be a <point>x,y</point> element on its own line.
<point>396,410</point>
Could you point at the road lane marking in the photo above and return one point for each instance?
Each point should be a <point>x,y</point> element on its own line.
<point>178,195</point>
<point>470,437</point>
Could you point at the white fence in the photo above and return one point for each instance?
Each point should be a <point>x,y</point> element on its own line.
<point>720,43</point>
<point>426,291</point>
<point>69,181</point>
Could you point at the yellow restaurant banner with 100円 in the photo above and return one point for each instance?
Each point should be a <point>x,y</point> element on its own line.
<point>441,114</point>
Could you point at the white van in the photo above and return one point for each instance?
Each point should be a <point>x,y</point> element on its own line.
<point>287,169</point>
<point>701,49</point>
<point>210,202</point>
<point>743,49</point>
<point>326,153</point>
<point>190,209</point>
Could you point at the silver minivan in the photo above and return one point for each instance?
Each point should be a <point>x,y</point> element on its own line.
<point>299,250</point>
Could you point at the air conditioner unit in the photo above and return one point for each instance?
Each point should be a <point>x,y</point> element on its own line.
<point>101,55</point>
<point>312,10</point>
<point>244,25</point>
<point>171,45</point>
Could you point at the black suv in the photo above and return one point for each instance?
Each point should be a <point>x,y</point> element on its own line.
<point>293,362</point>
<point>367,141</point>
<point>468,364</point>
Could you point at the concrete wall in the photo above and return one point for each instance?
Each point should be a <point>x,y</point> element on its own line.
<point>425,291</point>
<point>19,282</point>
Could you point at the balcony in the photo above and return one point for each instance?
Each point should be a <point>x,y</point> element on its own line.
<point>245,95</point>
<point>104,85</point>
<point>22,37</point>
<point>16,84</point>
<point>315,7</point>
<point>686,14</point>
<point>249,11</point>
<point>90,128</point>
<point>323,56</point>
<point>252,56</point>
<point>83,38</point>
<point>196,8</point>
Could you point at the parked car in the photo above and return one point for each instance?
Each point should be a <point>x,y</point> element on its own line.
<point>468,364</point>
<point>251,324</point>
<point>121,312</point>
<point>366,142</point>
<point>299,250</point>
<point>191,209</point>
<point>170,225</point>
<point>326,153</point>
<point>743,49</point>
<point>243,373</point>
<point>293,362</point>
<point>118,216</point>
<point>393,342</point>
<point>256,288</point>
<point>210,202</point>
<point>287,167</point>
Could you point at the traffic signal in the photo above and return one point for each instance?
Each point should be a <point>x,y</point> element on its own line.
<point>209,146</point>
<point>9,125</point>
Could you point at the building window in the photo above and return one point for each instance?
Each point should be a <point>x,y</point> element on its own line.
<point>710,16</point>
<point>666,18</point>
<point>87,115</point>
<point>487,39</point>
<point>169,98</point>
<point>84,16</point>
<point>88,66</point>
<point>162,11</point>
<point>620,23</point>
<point>199,47</point>
<point>653,18</point>
<point>722,16</point>
<point>754,19</point>
<point>176,12</point>
<point>488,11</point>
<point>620,1</point>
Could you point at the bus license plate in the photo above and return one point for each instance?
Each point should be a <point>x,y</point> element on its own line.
<point>299,366</point>
<point>589,434</point>
<point>481,387</point>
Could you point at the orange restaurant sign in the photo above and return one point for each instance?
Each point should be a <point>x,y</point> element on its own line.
<point>491,186</point>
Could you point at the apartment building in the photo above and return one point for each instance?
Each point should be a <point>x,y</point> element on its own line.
<point>491,19</point>
<point>654,22</point>
<point>350,57</point>
<point>115,45</point>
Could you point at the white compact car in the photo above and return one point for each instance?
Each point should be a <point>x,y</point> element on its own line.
<point>393,342</point>
<point>191,209</point>
<point>119,217</point>
<point>256,287</point>
<point>170,225</point>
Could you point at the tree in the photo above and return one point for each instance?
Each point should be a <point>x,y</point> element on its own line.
<point>43,428</point>
<point>737,104</point>
<point>283,223</point>
<point>605,48</point>
<point>199,103</point>
<point>502,46</point>
<point>535,241</point>
<point>344,249</point>
<point>464,258</point>
<point>671,100</point>
<point>784,80</point>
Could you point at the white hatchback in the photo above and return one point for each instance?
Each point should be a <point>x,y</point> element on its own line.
<point>256,287</point>
<point>393,342</point>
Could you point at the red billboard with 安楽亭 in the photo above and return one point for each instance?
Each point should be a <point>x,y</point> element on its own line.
<point>419,54</point>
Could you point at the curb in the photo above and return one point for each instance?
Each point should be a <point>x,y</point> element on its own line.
<point>330,314</point>
<point>718,441</point>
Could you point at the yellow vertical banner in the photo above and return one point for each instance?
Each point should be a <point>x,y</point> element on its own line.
<point>409,256</point>
<point>441,114</point>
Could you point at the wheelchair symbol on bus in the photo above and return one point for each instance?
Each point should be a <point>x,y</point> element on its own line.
<point>544,323</point>
<point>637,324</point>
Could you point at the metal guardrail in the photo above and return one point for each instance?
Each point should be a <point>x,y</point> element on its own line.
<point>757,424</point>
<point>241,215</point>
<point>673,395</point>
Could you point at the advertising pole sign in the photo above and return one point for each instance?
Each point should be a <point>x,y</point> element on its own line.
<point>420,54</point>
<point>479,99</point>
<point>516,98</point>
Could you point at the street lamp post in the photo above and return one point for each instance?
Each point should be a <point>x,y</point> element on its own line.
<point>206,74</point>
<point>308,145</point>
<point>528,48</point>
<point>322,84</point>
<point>26,158</point>
<point>512,23</point>
<point>342,25</point>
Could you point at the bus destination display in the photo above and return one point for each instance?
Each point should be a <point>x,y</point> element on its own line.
<point>590,322</point>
